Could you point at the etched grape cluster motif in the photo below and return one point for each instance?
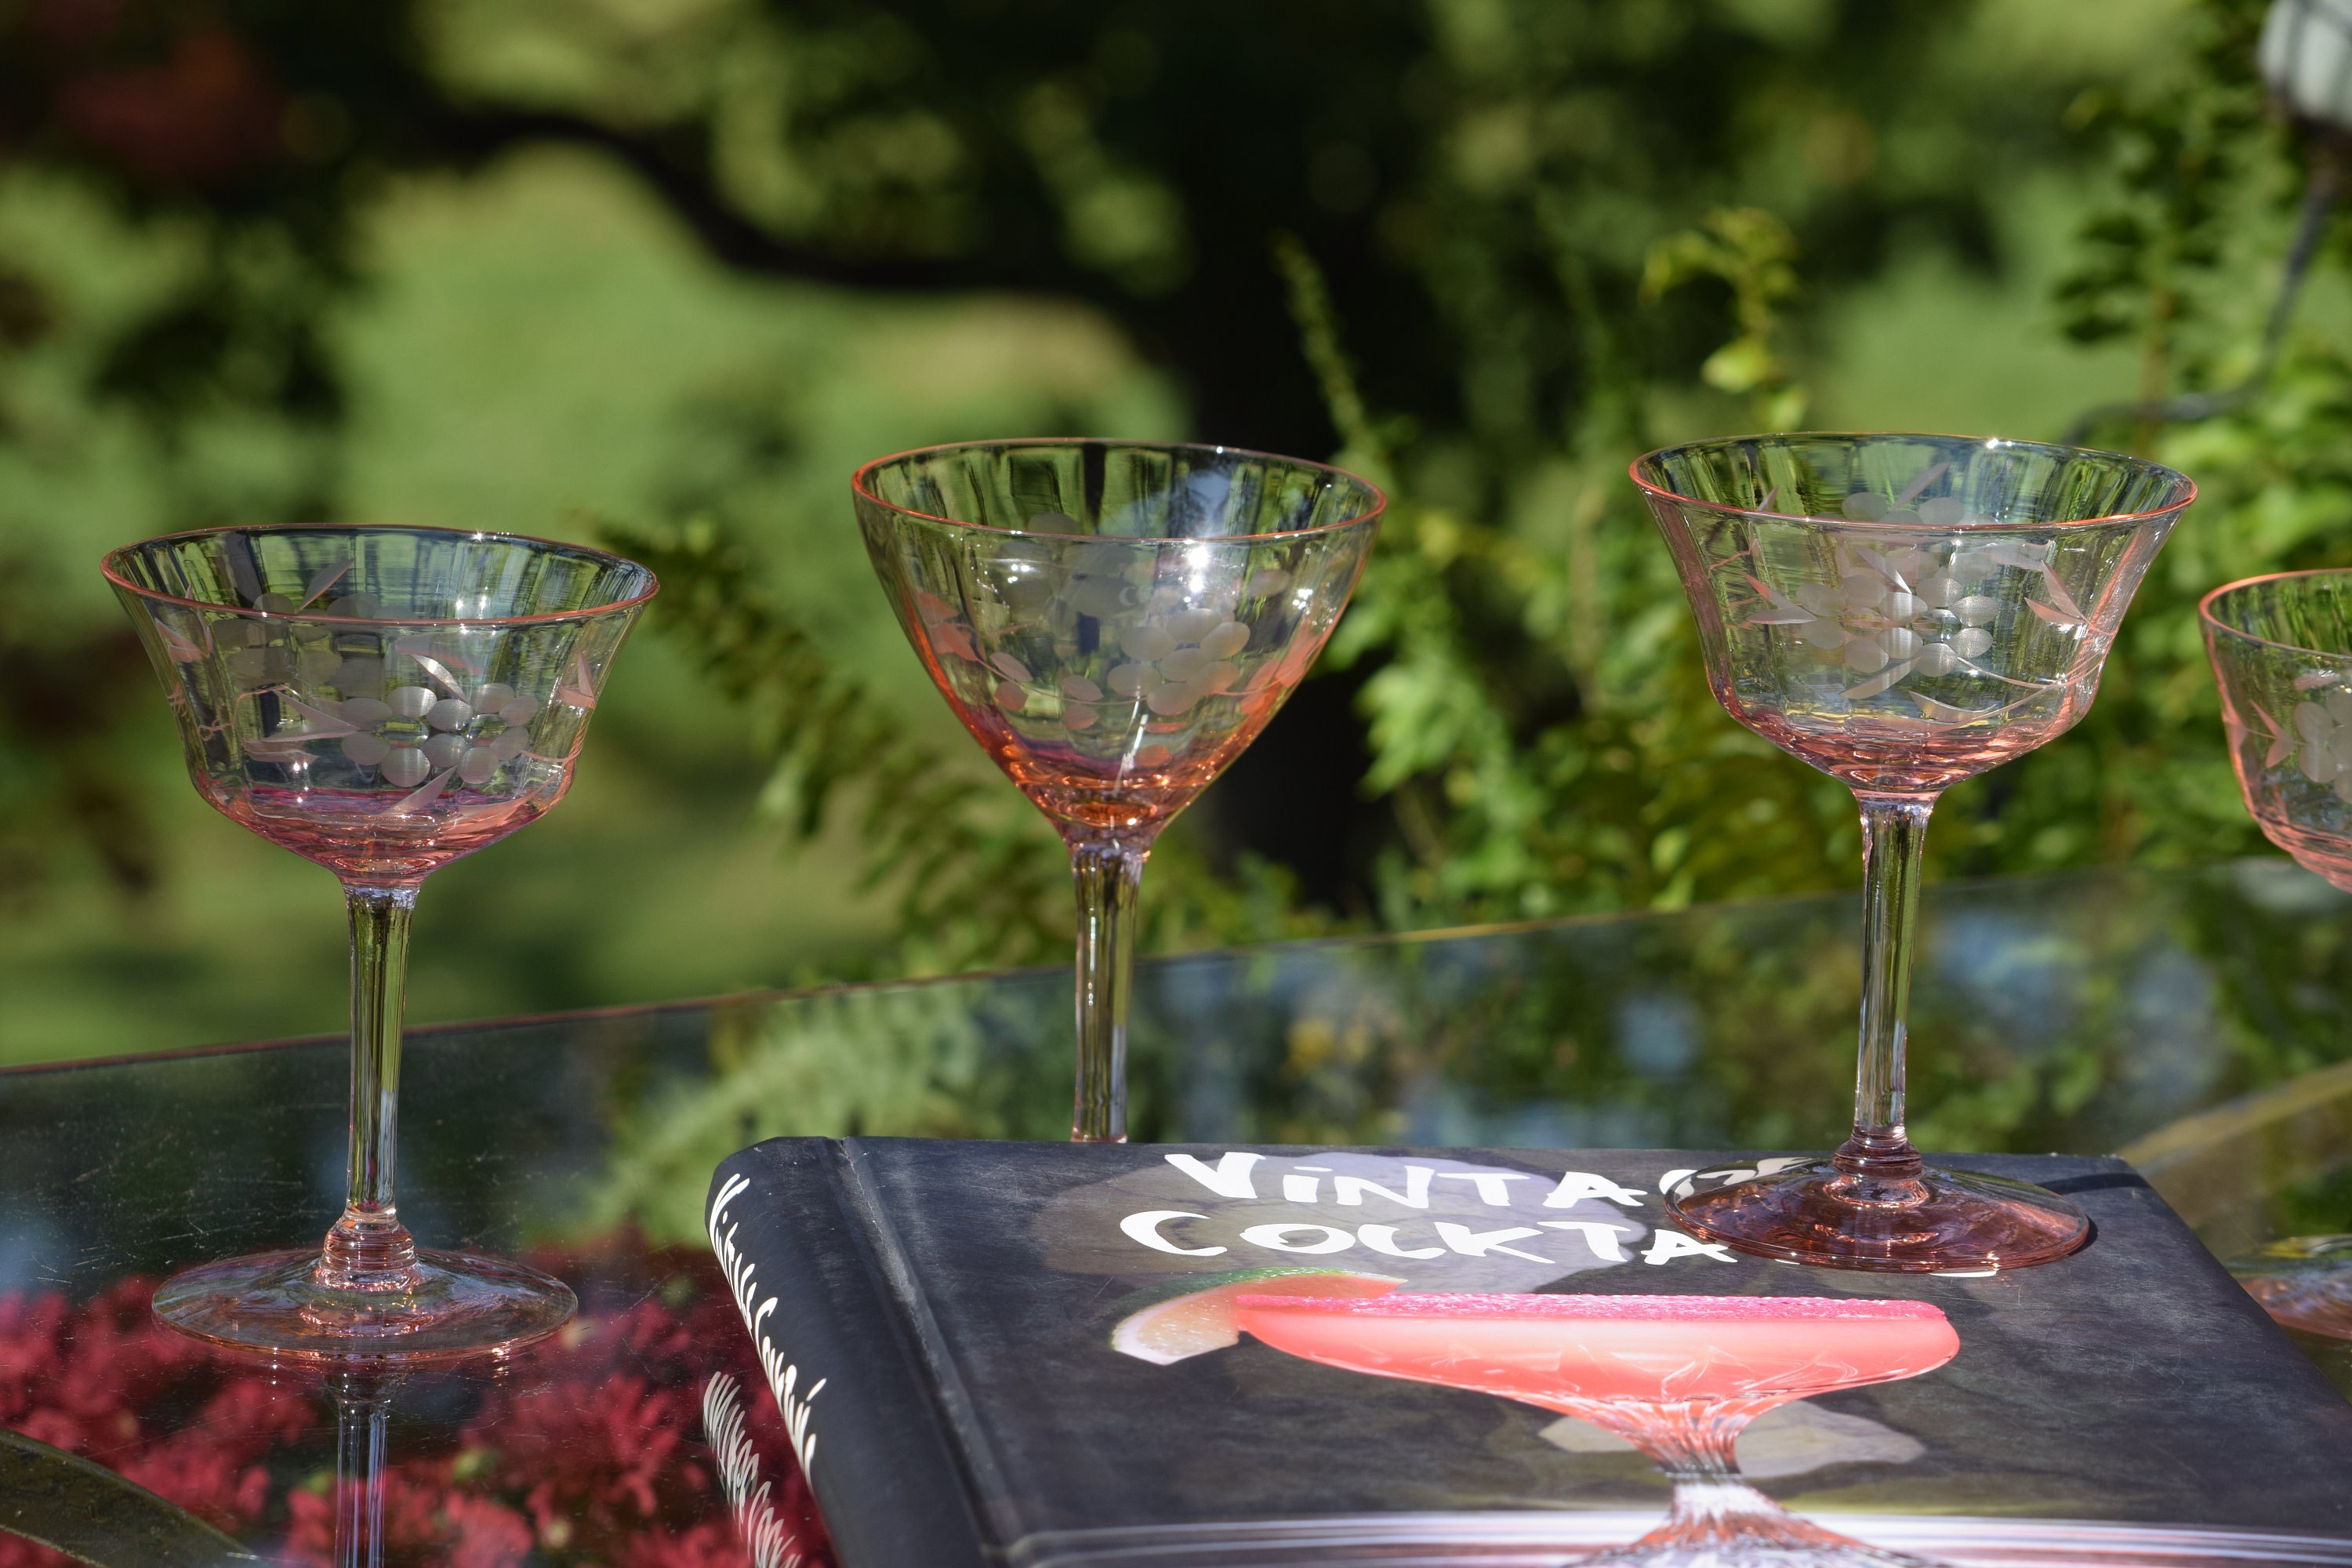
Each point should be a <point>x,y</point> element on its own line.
<point>1901,605</point>
<point>306,689</point>
<point>1122,653</point>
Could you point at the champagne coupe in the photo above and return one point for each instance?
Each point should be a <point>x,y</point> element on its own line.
<point>1678,1376</point>
<point>2282,653</point>
<point>1902,612</point>
<point>381,700</point>
<point>1113,622</point>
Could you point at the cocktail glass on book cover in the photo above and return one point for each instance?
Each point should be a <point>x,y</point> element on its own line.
<point>2282,652</point>
<point>1113,622</point>
<point>381,700</point>
<point>1901,612</point>
<point>1679,1377</point>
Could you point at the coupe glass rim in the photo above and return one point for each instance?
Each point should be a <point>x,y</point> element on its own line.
<point>2185,494</point>
<point>477,535</point>
<point>858,484</point>
<point>2214,623</point>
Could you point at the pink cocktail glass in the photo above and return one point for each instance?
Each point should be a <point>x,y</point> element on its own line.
<point>2281,647</point>
<point>382,701</point>
<point>1676,1376</point>
<point>1901,612</point>
<point>1113,621</point>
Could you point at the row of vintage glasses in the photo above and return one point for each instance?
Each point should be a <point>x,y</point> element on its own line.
<point>1114,622</point>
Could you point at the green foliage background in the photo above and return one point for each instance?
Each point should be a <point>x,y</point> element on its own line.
<point>663,271</point>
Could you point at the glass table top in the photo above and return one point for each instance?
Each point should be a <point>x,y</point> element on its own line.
<point>2199,1020</point>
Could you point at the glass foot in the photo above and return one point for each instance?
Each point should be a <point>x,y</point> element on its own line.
<point>446,1305</point>
<point>1825,1549</point>
<point>1814,1211</point>
<point>1726,1523</point>
<point>1831,1550</point>
<point>2305,1282</point>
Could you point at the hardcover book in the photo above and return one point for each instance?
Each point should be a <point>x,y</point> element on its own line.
<point>1149,1356</point>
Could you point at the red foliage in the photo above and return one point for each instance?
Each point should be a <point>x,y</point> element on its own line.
<point>427,1523</point>
<point>707,1545</point>
<point>590,1450</point>
<point>88,1380</point>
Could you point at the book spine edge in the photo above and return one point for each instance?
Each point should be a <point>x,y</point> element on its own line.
<point>888,1490</point>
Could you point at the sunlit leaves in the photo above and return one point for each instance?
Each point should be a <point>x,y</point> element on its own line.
<point>1753,251</point>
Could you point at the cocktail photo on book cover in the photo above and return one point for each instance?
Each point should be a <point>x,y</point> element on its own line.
<point>1261,1356</point>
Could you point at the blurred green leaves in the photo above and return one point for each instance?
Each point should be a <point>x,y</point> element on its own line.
<point>1526,240</point>
<point>975,873</point>
<point>1753,252</point>
<point>2188,163</point>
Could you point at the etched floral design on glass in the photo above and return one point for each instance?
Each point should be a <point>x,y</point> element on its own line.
<point>380,701</point>
<point>1115,682</point>
<point>308,711</point>
<point>2325,755</point>
<point>1114,623</point>
<point>1960,649</point>
<point>1901,612</point>
<point>2281,648</point>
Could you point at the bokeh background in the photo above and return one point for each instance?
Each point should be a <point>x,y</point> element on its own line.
<point>659,273</point>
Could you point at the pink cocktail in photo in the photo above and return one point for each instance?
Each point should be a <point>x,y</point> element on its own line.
<point>1678,1376</point>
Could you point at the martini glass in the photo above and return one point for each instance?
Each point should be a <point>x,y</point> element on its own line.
<point>381,700</point>
<point>1113,622</point>
<point>1676,1376</point>
<point>2282,653</point>
<point>1902,612</point>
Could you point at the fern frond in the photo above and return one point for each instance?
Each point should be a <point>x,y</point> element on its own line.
<point>977,879</point>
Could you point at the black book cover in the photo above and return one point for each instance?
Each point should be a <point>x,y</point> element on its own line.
<point>1074,1356</point>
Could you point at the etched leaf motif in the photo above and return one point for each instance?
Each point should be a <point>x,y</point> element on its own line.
<point>1877,562</point>
<point>2059,594</point>
<point>1918,487</point>
<point>1819,597</point>
<point>1779,610</point>
<point>324,578</point>
<point>424,795</point>
<point>1945,713</point>
<point>434,670</point>
<point>578,689</point>
<point>182,649</point>
<point>2281,746</point>
<point>1880,683</point>
<point>2023,554</point>
<point>2064,620</point>
<point>324,724</point>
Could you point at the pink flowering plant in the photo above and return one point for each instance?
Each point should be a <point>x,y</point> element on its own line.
<point>589,1448</point>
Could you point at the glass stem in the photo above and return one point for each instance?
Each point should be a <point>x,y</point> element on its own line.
<point>360,1415</point>
<point>369,1249</point>
<point>1716,1514</point>
<point>1107,875</point>
<point>1879,1163</point>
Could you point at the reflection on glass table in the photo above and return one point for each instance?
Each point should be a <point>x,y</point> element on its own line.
<point>2172,1014</point>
